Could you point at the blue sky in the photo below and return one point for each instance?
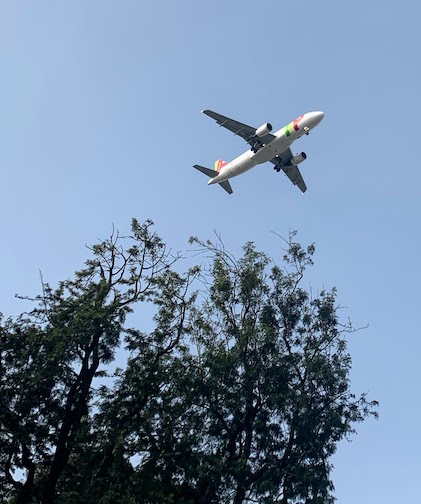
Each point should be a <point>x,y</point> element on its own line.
<point>100,122</point>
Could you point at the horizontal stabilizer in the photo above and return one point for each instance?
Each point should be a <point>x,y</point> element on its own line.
<point>207,171</point>
<point>226,185</point>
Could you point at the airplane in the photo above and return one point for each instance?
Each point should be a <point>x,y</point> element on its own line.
<point>265,146</point>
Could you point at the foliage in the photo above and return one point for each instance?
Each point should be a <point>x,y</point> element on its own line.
<point>240,393</point>
<point>50,357</point>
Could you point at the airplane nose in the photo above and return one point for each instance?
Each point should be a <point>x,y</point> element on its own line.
<point>316,117</point>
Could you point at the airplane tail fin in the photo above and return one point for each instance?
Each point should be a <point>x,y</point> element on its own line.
<point>219,164</point>
<point>211,173</point>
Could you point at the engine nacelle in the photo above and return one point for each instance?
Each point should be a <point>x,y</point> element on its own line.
<point>298,158</point>
<point>264,129</point>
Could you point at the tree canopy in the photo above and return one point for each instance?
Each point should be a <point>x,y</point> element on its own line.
<point>239,393</point>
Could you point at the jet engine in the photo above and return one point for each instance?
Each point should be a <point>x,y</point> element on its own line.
<point>263,130</point>
<point>298,158</point>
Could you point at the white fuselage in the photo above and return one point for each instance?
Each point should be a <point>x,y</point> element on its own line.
<point>283,139</point>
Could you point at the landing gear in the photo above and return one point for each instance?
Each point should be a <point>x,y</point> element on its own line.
<point>277,168</point>
<point>307,130</point>
<point>255,147</point>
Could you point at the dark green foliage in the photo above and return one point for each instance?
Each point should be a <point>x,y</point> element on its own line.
<point>240,393</point>
<point>271,379</point>
<point>50,357</point>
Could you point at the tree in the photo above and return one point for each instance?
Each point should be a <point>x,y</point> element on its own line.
<point>271,379</point>
<point>50,357</point>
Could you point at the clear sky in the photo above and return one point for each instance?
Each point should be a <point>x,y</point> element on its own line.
<point>100,122</point>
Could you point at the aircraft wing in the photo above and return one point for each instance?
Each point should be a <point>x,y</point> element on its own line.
<point>283,162</point>
<point>243,130</point>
